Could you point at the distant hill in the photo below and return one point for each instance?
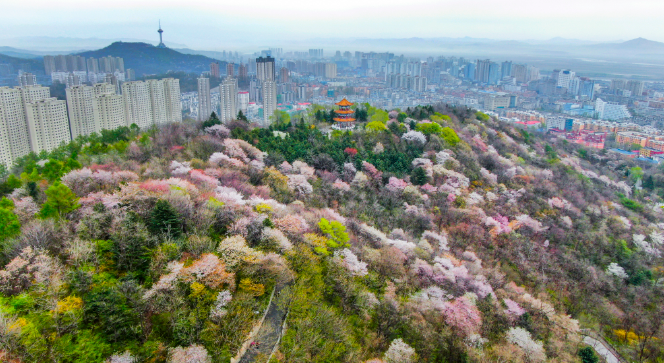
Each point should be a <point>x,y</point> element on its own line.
<point>18,53</point>
<point>17,63</point>
<point>147,59</point>
<point>71,45</point>
<point>641,45</point>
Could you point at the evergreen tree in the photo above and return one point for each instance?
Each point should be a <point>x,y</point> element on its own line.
<point>59,202</point>
<point>587,355</point>
<point>131,245</point>
<point>213,120</point>
<point>419,176</point>
<point>164,219</point>
<point>241,116</point>
<point>10,225</point>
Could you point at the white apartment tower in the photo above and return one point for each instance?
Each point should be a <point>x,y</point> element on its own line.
<point>330,70</point>
<point>157,101</point>
<point>265,68</point>
<point>13,123</point>
<point>83,113</point>
<point>172,99</point>
<point>111,111</point>
<point>269,101</point>
<point>104,89</point>
<point>34,93</point>
<point>47,124</point>
<point>5,147</point>
<point>563,77</point>
<point>243,101</point>
<point>204,99</point>
<point>228,91</point>
<point>138,108</point>
<point>27,79</point>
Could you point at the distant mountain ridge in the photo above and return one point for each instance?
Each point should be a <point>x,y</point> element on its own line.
<point>17,62</point>
<point>48,44</point>
<point>147,59</point>
<point>638,44</point>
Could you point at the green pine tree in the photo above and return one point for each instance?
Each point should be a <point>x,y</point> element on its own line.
<point>59,202</point>
<point>164,219</point>
<point>588,355</point>
<point>419,176</point>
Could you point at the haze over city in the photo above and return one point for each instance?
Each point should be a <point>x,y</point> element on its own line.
<point>213,24</point>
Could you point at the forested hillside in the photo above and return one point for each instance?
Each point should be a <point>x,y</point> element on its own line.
<point>435,234</point>
<point>146,59</point>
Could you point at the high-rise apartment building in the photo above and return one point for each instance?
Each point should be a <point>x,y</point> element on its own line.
<point>563,77</point>
<point>520,73</point>
<point>230,69</point>
<point>243,101</point>
<point>60,63</point>
<point>157,101</point>
<point>506,69</point>
<point>103,89</point>
<point>48,126</point>
<point>494,73</point>
<point>71,62</point>
<point>265,68</point>
<point>13,124</point>
<point>34,93</point>
<point>482,70</point>
<point>93,65</point>
<point>618,84</point>
<point>138,108</point>
<point>228,93</point>
<point>330,70</point>
<point>111,111</point>
<point>131,75</point>
<point>111,64</point>
<point>635,87</point>
<point>27,79</point>
<point>587,88</point>
<point>269,101</point>
<point>204,99</point>
<point>5,147</point>
<point>242,73</point>
<point>49,64</point>
<point>284,75</point>
<point>214,70</point>
<point>316,53</point>
<point>532,74</point>
<point>172,99</point>
<point>469,72</point>
<point>83,114</point>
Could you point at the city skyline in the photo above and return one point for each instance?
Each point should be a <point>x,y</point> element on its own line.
<point>268,22</point>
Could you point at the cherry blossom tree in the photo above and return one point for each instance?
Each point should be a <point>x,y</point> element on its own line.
<point>399,352</point>
<point>191,354</point>
<point>533,349</point>
<point>415,136</point>
<point>463,315</point>
<point>349,260</point>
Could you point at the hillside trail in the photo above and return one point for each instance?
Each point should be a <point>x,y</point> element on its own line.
<point>269,335</point>
<point>601,346</point>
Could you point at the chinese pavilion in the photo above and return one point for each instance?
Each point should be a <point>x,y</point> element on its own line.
<point>344,116</point>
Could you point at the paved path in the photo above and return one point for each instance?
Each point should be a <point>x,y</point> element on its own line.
<point>270,332</point>
<point>601,349</point>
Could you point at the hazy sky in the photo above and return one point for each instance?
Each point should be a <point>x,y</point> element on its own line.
<point>216,24</point>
